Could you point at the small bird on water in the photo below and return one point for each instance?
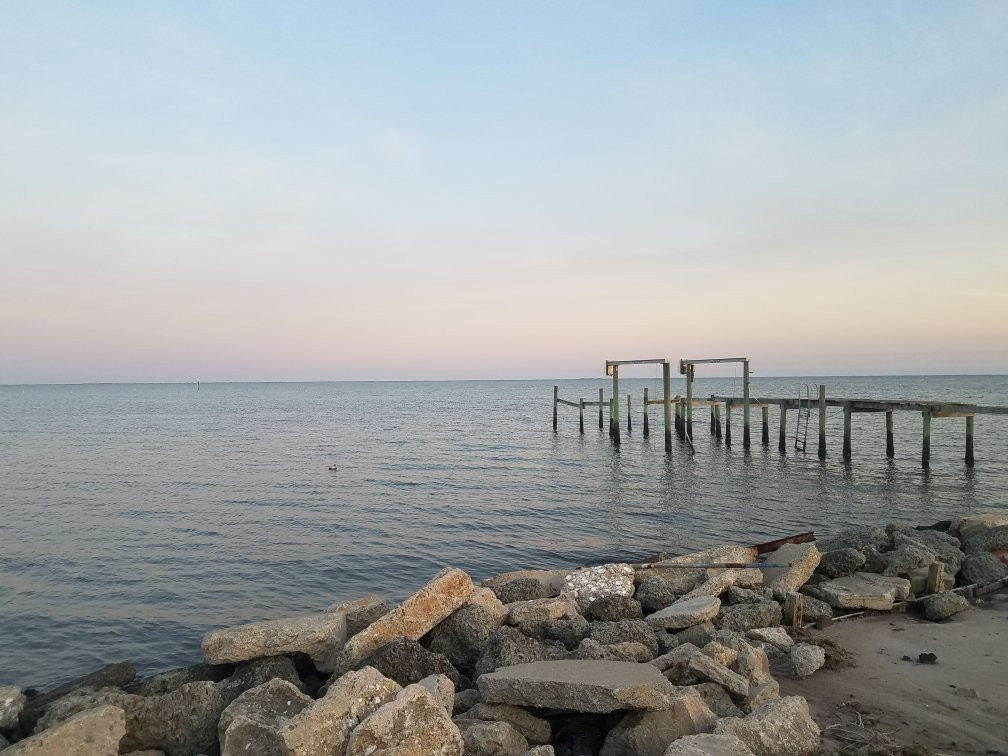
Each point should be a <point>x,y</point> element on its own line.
<point>333,467</point>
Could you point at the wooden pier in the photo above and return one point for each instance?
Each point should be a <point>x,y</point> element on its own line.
<point>682,409</point>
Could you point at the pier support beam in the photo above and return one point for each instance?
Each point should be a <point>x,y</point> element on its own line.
<point>555,390</point>
<point>600,400</point>
<point>629,415</point>
<point>846,432</point>
<point>782,435</point>
<point>667,381</point>
<point>926,441</point>
<point>581,415</point>
<point>766,426</point>
<point>614,407</point>
<point>717,422</point>
<point>712,420</point>
<point>689,401</point>
<point>890,451</point>
<point>647,430</point>
<point>727,424</point>
<point>745,404</point>
<point>822,421</point>
<point>969,440</point>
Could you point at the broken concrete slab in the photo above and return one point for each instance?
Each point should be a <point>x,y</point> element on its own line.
<point>551,581</point>
<point>685,613</point>
<point>708,745</point>
<point>411,723</point>
<point>864,590</point>
<point>707,669</point>
<point>648,733</point>
<point>360,612</point>
<point>797,563</point>
<point>780,727</point>
<point>571,685</point>
<point>541,610</point>
<point>776,636</point>
<point>535,730</point>
<point>587,584</point>
<point>321,636</point>
<point>943,605</point>
<point>95,732</point>
<point>723,579</point>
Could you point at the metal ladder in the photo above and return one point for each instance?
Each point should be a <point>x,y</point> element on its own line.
<point>804,410</point>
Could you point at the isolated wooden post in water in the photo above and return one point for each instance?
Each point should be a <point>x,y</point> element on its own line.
<point>647,430</point>
<point>555,390</point>
<point>782,436</point>
<point>689,401</point>
<point>766,426</point>
<point>889,449</point>
<point>600,400</point>
<point>629,415</point>
<point>613,409</point>
<point>822,421</point>
<point>717,421</point>
<point>581,415</point>
<point>745,404</point>
<point>969,440</point>
<point>926,445</point>
<point>681,418</point>
<point>846,431</point>
<point>727,423</point>
<point>667,381</point>
<point>936,577</point>
<point>712,420</point>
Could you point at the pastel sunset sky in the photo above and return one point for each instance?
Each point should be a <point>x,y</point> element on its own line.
<point>386,190</point>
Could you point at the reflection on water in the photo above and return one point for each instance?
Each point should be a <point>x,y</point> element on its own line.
<point>139,517</point>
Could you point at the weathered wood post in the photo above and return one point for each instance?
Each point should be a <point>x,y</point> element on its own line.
<point>745,403</point>
<point>890,451</point>
<point>846,431</point>
<point>727,423</point>
<point>629,415</point>
<point>689,401</point>
<point>794,610</point>
<point>712,419</point>
<point>600,400</point>
<point>647,429</point>
<point>782,435</point>
<point>717,422</point>
<point>581,415</point>
<point>667,381</point>
<point>926,445</point>
<point>822,421</point>
<point>766,426</point>
<point>936,577</point>
<point>969,440</point>
<point>555,389</point>
<point>613,409</point>
<point>681,412</point>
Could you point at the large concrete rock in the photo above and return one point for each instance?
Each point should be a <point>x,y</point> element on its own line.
<point>321,636</point>
<point>806,659</point>
<point>412,723</point>
<point>943,605</point>
<point>741,617</point>
<point>675,664</point>
<point>324,727</point>
<point>775,636</point>
<point>708,745</point>
<point>414,618</point>
<point>519,589</point>
<point>908,556</point>
<point>699,635</point>
<point>815,609</point>
<point>509,646</point>
<point>542,610</point>
<point>569,632</point>
<point>460,637</point>
<point>179,723</point>
<point>685,613</point>
<point>587,686</point>
<point>551,581</point>
<point>173,679</point>
<point>628,651</point>
<point>864,590</point>
<point>253,673</point>
<point>840,562</point>
<point>801,560</point>
<point>251,723</point>
<point>722,579</point>
<point>361,612</point>
<point>114,675</point>
<point>443,690</point>
<point>625,631</point>
<point>860,537</point>
<point>705,668</point>
<point>535,730</point>
<point>12,702</point>
<point>491,738</point>
<point>780,727</point>
<point>982,569</point>
<point>683,579</point>
<point>716,698</point>
<point>654,593</point>
<point>590,583</point>
<point>614,608</point>
<point>945,547</point>
<point>95,732</point>
<point>648,733</point>
<point>407,662</point>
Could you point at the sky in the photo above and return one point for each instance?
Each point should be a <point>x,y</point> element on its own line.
<point>424,190</point>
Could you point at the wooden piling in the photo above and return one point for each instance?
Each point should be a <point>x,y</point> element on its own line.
<point>629,415</point>
<point>822,421</point>
<point>667,381</point>
<point>766,426</point>
<point>846,432</point>
<point>794,611</point>
<point>969,440</point>
<point>581,415</point>
<point>689,401</point>
<point>745,404</point>
<point>782,435</point>
<point>555,390</point>
<point>717,422</point>
<point>647,429</point>
<point>712,421</point>
<point>890,451</point>
<point>614,422</point>
<point>681,416</point>
<point>926,441</point>
<point>727,424</point>
<point>600,400</point>
<point>936,577</point>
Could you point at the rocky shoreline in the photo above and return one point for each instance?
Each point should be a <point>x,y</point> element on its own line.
<point>673,657</point>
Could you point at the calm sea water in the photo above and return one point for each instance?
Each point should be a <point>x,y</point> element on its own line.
<point>137,517</point>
